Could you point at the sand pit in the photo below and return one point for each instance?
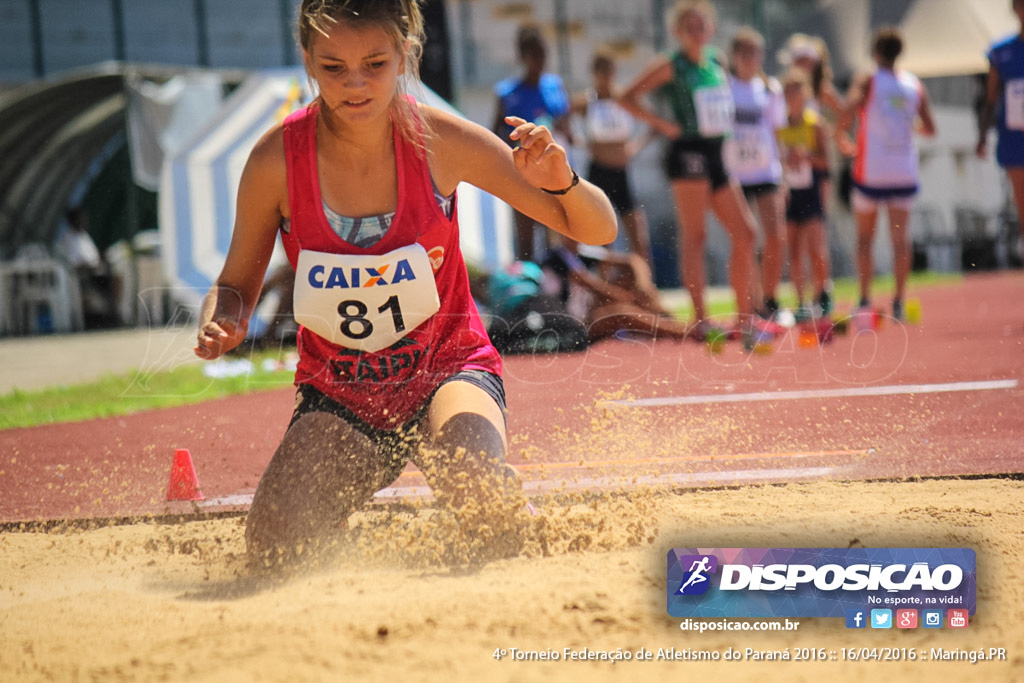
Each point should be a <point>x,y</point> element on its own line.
<point>174,602</point>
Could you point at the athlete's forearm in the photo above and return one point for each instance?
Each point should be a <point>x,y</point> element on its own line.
<point>589,215</point>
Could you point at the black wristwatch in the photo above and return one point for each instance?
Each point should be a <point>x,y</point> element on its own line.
<point>574,183</point>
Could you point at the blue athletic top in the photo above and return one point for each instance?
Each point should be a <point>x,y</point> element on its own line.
<point>1007,58</point>
<point>541,104</point>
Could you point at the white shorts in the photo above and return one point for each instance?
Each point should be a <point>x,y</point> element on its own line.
<point>862,203</point>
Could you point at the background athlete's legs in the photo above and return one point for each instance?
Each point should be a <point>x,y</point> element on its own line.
<point>609,318</point>
<point>691,199</point>
<point>771,209</point>
<point>635,222</point>
<point>866,219</point>
<point>463,459</point>
<point>736,218</point>
<point>899,231</point>
<point>817,250</point>
<point>525,229</point>
<point>323,470</point>
<point>1016,176</point>
<point>796,238</point>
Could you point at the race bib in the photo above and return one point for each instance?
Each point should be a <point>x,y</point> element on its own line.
<point>1014,104</point>
<point>368,302</point>
<point>749,151</point>
<point>608,121</point>
<point>715,110</point>
<point>799,177</point>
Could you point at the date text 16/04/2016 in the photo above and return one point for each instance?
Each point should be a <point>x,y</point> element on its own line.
<point>797,654</point>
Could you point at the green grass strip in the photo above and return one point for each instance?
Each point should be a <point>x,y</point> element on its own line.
<point>123,394</point>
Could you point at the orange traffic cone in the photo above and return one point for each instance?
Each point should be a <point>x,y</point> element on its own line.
<point>184,484</point>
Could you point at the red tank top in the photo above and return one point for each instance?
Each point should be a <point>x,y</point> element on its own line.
<point>386,388</point>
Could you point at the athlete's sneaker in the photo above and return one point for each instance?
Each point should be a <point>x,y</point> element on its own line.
<point>785,318</point>
<point>824,303</point>
<point>864,318</point>
<point>706,331</point>
<point>749,338</point>
<point>771,308</point>
<point>771,328</point>
<point>897,310</point>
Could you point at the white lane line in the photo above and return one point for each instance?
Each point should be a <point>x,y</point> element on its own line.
<point>224,501</point>
<point>890,390</point>
<point>548,486</point>
<point>589,483</point>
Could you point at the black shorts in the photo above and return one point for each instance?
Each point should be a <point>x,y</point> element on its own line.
<point>755,191</point>
<point>805,205</point>
<point>396,442</point>
<point>697,159</point>
<point>614,182</point>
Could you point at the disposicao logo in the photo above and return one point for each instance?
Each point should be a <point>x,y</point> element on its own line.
<point>818,582</point>
<point>697,578</point>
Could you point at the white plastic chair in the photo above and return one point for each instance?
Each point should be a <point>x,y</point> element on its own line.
<point>34,280</point>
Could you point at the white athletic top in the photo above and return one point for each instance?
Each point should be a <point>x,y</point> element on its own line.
<point>606,121</point>
<point>887,151</point>
<point>752,154</point>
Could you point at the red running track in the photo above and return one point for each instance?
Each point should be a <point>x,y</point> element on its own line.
<point>942,398</point>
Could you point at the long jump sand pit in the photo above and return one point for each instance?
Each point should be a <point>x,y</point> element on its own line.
<point>154,601</point>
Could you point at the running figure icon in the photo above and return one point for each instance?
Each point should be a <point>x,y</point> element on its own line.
<point>698,573</point>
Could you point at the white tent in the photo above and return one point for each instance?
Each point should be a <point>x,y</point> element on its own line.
<point>199,183</point>
<point>951,37</point>
<point>942,37</point>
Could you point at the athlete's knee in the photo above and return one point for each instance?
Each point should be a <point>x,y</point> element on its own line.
<point>466,461</point>
<point>277,534</point>
<point>473,435</point>
<point>323,470</point>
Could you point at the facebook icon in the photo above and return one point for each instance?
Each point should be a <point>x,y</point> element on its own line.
<point>856,618</point>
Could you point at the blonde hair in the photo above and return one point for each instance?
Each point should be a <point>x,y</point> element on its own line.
<point>402,20</point>
<point>746,35</point>
<point>682,8</point>
<point>821,73</point>
<point>798,76</point>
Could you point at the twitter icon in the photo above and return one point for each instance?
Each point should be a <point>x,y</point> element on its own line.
<point>881,618</point>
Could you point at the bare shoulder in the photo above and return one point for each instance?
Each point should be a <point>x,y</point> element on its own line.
<point>457,146</point>
<point>268,153</point>
<point>266,170</point>
<point>447,128</point>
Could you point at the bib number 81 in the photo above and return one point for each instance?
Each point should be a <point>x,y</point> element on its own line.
<point>355,324</point>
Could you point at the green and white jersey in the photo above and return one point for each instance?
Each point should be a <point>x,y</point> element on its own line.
<point>699,95</point>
